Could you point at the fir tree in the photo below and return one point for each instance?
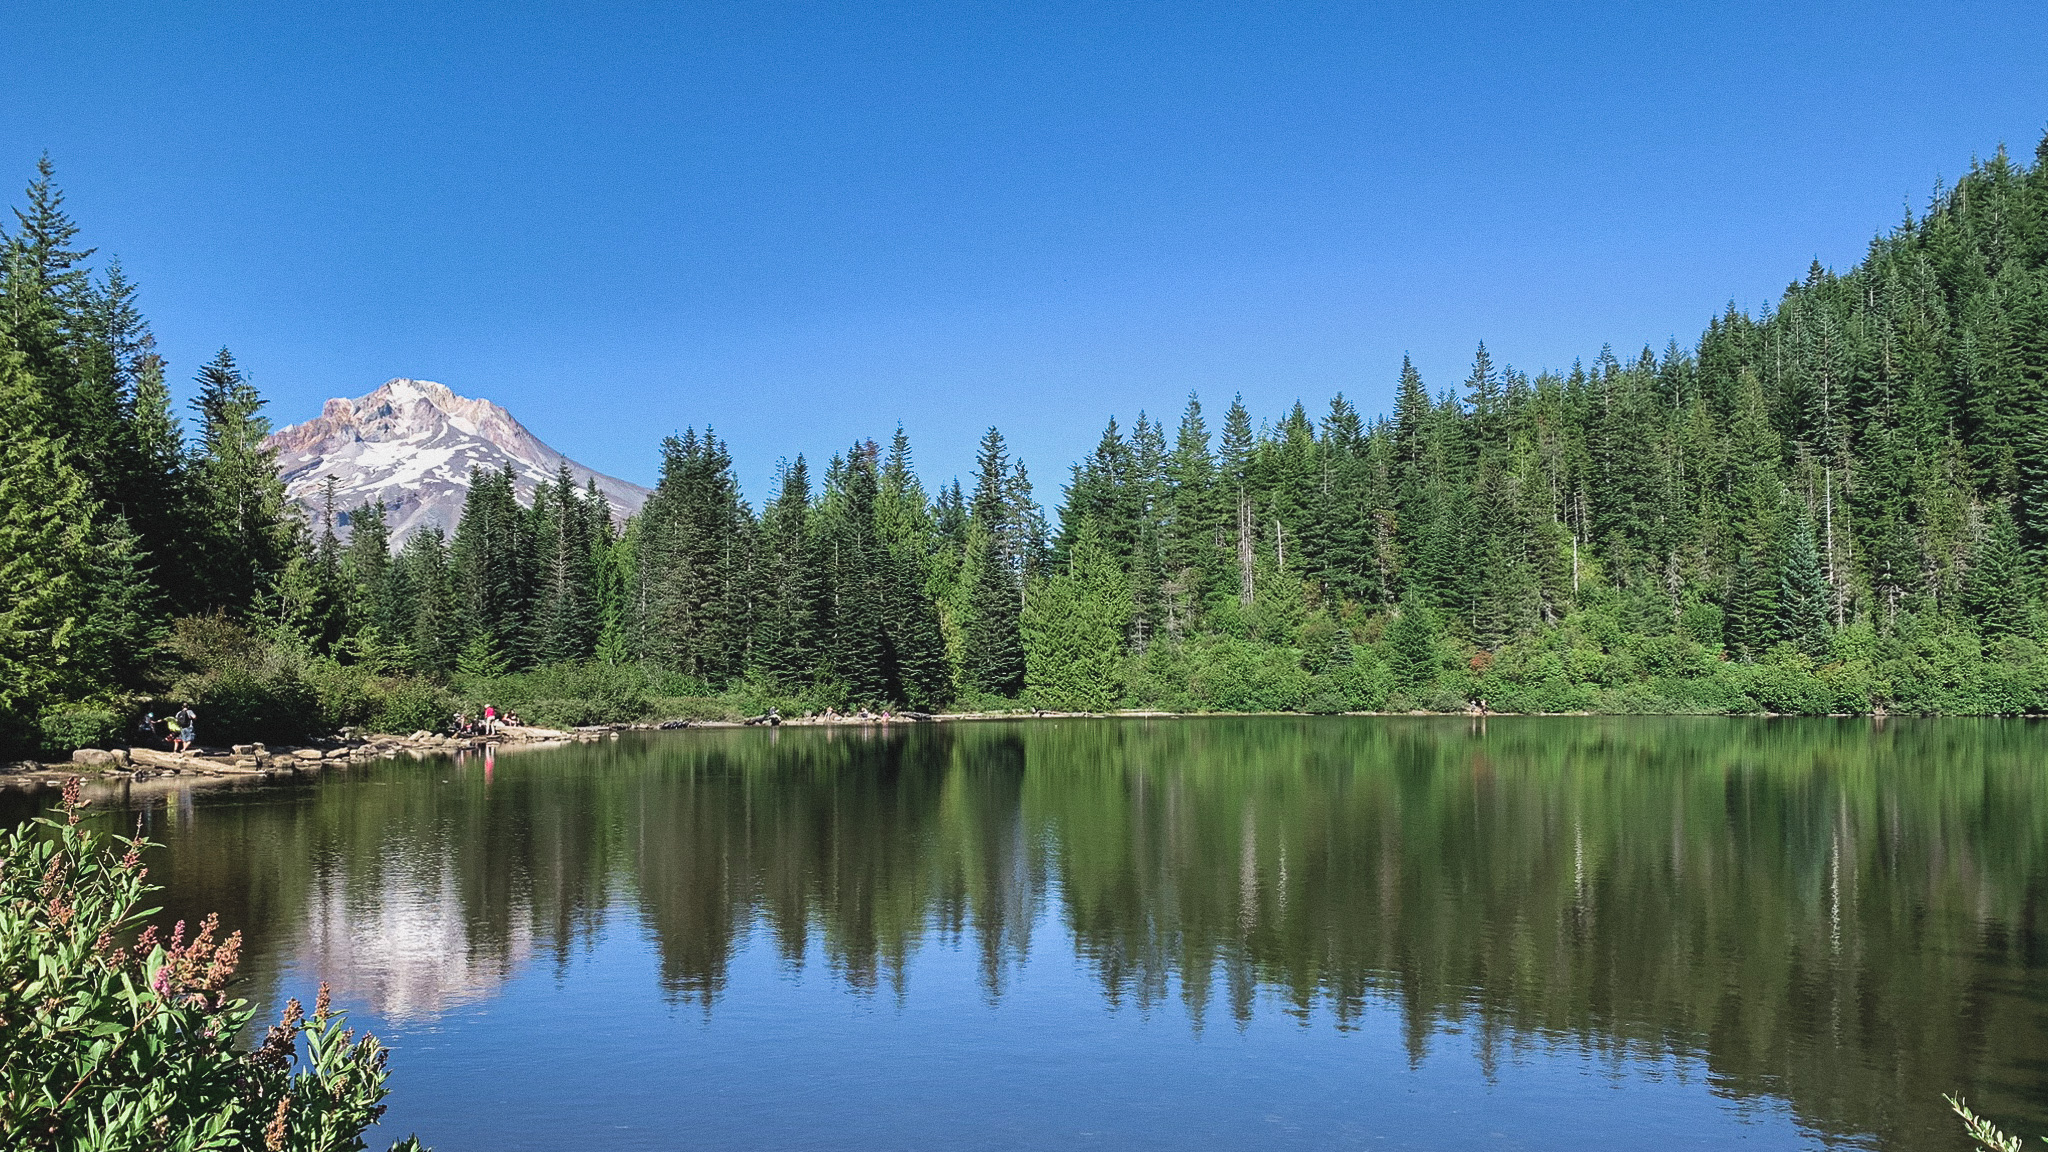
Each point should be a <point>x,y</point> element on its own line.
<point>565,617</point>
<point>46,536</point>
<point>1073,625</point>
<point>995,647</point>
<point>1803,597</point>
<point>242,523</point>
<point>2001,583</point>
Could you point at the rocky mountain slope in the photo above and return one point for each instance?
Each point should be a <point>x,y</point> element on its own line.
<point>413,443</point>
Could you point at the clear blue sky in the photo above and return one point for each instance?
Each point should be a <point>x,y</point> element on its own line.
<point>803,223</point>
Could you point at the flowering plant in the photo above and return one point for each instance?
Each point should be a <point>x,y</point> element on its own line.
<point>106,1047</point>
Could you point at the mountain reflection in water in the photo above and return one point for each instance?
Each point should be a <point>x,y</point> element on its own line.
<point>1841,915</point>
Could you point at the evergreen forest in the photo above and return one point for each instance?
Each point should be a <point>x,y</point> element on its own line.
<point>1836,505</point>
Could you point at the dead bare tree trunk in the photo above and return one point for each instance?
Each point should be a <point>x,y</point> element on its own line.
<point>1244,549</point>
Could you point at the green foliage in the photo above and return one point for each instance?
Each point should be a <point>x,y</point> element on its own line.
<point>46,525</point>
<point>1982,1132</point>
<point>564,695</point>
<point>1411,647</point>
<point>412,705</point>
<point>1691,530</point>
<point>66,729</point>
<point>106,1047</point>
<point>1073,624</point>
<point>242,687</point>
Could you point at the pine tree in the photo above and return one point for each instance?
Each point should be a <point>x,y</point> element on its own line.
<point>46,536</point>
<point>565,617</point>
<point>426,616</point>
<point>1753,594</point>
<point>490,571</point>
<point>692,608</point>
<point>1803,595</point>
<point>791,630</point>
<point>156,486</point>
<point>1411,641</point>
<point>995,647</point>
<point>124,623</point>
<point>2001,587</point>
<point>860,656</point>
<point>1193,517</point>
<point>1073,626</point>
<point>1235,452</point>
<point>242,523</point>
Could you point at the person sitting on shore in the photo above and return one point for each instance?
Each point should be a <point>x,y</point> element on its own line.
<point>147,726</point>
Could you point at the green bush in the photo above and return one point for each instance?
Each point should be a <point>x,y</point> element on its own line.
<point>565,695</point>
<point>694,708</point>
<point>64,730</point>
<point>346,695</point>
<point>242,688</point>
<point>1231,675</point>
<point>411,705</point>
<point>234,706</point>
<point>110,1047</point>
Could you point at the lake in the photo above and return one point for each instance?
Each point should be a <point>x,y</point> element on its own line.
<point>1200,933</point>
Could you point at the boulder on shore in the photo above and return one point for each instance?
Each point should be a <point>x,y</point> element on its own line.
<point>170,760</point>
<point>521,732</point>
<point>100,758</point>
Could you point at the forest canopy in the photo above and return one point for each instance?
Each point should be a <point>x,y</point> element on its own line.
<point>1838,504</point>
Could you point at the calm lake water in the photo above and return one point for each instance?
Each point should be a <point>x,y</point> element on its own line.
<point>1219,933</point>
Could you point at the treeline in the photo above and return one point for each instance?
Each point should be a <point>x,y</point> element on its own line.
<point>1838,504</point>
<point>114,516</point>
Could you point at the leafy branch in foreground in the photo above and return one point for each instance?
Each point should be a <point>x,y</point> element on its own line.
<point>1984,1132</point>
<point>105,1048</point>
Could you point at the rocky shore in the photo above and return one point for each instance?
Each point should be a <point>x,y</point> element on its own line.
<point>107,771</point>
<point>263,762</point>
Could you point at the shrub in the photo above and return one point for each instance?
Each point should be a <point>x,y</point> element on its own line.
<point>694,708</point>
<point>411,705</point>
<point>565,695</point>
<point>1232,675</point>
<point>110,1050</point>
<point>242,688</point>
<point>234,706</point>
<point>63,730</point>
<point>346,695</point>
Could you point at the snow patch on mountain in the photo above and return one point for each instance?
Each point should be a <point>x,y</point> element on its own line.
<point>412,444</point>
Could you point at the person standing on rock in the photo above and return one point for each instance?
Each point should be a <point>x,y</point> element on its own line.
<point>188,722</point>
<point>490,719</point>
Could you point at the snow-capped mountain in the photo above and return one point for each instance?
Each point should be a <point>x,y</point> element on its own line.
<point>413,443</point>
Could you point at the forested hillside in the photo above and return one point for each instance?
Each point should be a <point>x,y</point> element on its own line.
<point>1838,505</point>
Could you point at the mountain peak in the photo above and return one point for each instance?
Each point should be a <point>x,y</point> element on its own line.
<point>413,444</point>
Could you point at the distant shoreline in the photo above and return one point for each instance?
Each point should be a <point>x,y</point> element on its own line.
<point>105,784</point>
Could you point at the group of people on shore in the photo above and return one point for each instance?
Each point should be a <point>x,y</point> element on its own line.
<point>487,724</point>
<point>180,730</point>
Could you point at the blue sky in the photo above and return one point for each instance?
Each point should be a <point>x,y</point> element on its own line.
<point>804,223</point>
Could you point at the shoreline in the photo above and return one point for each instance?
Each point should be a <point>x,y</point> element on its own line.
<point>131,771</point>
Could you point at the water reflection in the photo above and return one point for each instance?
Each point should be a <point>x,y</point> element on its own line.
<point>1843,915</point>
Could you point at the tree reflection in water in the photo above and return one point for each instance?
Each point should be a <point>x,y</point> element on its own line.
<point>1839,913</point>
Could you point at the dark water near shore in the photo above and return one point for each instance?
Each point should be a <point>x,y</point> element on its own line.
<point>1200,933</point>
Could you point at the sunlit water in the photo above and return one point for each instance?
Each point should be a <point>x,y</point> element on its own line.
<point>1173,934</point>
